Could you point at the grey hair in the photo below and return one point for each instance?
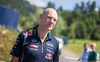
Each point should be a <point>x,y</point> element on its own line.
<point>48,9</point>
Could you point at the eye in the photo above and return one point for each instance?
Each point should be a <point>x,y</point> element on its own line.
<point>55,20</point>
<point>49,17</point>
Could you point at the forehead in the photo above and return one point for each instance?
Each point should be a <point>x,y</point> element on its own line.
<point>85,44</point>
<point>92,45</point>
<point>51,13</point>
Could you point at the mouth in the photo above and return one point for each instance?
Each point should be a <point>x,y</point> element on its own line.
<point>50,25</point>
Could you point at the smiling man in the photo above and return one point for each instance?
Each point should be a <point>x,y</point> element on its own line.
<point>37,44</point>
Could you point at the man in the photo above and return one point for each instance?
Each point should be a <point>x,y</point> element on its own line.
<point>93,55</point>
<point>37,44</point>
<point>84,57</point>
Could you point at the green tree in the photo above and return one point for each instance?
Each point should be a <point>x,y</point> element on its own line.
<point>50,5</point>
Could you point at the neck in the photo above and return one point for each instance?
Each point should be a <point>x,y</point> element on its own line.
<point>42,33</point>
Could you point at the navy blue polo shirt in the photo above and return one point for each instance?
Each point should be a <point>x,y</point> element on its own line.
<point>28,47</point>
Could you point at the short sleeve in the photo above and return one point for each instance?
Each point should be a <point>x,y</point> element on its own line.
<point>17,48</point>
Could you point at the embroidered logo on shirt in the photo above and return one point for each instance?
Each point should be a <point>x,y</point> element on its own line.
<point>49,44</point>
<point>49,50</point>
<point>48,56</point>
<point>28,33</point>
<point>33,46</point>
<point>33,40</point>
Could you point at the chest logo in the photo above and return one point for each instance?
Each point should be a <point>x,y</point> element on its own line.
<point>33,46</point>
<point>48,56</point>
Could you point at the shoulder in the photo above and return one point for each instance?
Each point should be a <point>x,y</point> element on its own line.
<point>53,39</point>
<point>95,53</point>
<point>26,33</point>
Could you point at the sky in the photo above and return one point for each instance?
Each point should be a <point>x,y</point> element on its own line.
<point>66,4</point>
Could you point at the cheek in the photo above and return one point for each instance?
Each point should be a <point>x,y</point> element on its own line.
<point>92,47</point>
<point>54,23</point>
<point>43,21</point>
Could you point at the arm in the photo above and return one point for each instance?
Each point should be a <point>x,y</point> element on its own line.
<point>80,58</point>
<point>16,51</point>
<point>14,59</point>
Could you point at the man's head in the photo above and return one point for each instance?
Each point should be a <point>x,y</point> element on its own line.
<point>86,46</point>
<point>93,46</point>
<point>48,19</point>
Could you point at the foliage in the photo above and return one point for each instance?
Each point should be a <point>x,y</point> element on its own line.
<point>22,6</point>
<point>84,22</point>
<point>81,23</point>
<point>50,4</point>
<point>7,39</point>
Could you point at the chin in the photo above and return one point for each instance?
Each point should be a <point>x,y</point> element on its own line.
<point>49,29</point>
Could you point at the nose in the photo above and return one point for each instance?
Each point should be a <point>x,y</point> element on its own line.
<point>52,20</point>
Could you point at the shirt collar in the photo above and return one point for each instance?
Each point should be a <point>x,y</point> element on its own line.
<point>48,37</point>
<point>35,34</point>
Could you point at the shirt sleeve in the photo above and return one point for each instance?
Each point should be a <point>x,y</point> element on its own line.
<point>17,48</point>
<point>56,54</point>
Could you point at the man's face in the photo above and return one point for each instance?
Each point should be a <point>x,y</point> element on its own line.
<point>86,46</point>
<point>92,46</point>
<point>48,20</point>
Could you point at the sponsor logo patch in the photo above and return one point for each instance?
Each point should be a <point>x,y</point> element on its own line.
<point>33,46</point>
<point>48,56</point>
<point>49,44</point>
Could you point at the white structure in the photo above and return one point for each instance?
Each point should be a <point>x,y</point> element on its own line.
<point>61,42</point>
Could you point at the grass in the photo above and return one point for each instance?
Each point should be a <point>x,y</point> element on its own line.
<point>7,39</point>
<point>76,46</point>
